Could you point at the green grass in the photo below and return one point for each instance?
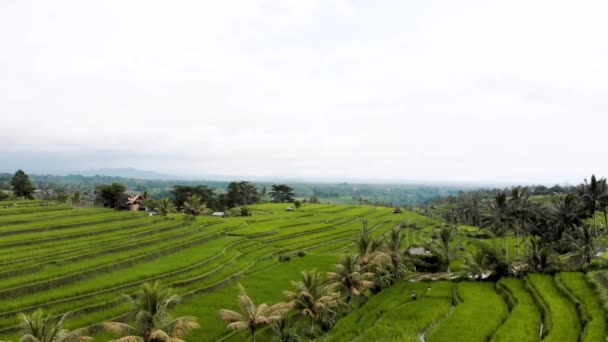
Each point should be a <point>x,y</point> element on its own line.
<point>392,315</point>
<point>523,323</point>
<point>82,260</point>
<point>591,313</point>
<point>561,321</point>
<point>476,318</point>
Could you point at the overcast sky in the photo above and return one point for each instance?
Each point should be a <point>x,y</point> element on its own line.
<point>413,90</point>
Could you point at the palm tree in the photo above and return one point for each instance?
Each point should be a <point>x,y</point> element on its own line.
<point>312,297</point>
<point>40,327</point>
<point>369,249</point>
<point>252,317</point>
<point>165,206</point>
<point>540,256</point>
<point>349,278</point>
<point>193,206</point>
<point>523,209</point>
<point>442,246</point>
<point>593,193</point>
<point>284,331</point>
<point>392,248</point>
<point>153,322</point>
<point>477,263</point>
<point>499,217</point>
<point>582,242</point>
<point>76,198</point>
<point>564,214</point>
<point>470,209</point>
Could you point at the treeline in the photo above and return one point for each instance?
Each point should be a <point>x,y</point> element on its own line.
<point>571,223</point>
<point>238,194</point>
<point>409,195</point>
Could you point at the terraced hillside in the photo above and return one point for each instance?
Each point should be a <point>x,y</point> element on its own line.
<point>82,260</point>
<point>541,307</point>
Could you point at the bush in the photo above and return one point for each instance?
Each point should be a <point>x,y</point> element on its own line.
<point>426,263</point>
<point>284,258</point>
<point>481,234</point>
<point>301,253</point>
<point>596,264</point>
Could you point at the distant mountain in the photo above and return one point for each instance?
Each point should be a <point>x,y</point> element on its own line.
<point>129,173</point>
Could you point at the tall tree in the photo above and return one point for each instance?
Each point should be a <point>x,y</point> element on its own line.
<point>393,248</point>
<point>523,209</point>
<point>582,242</point>
<point>181,193</point>
<point>565,213</point>
<point>498,217</point>
<point>477,264</point>
<point>242,193</point>
<point>312,297</point>
<point>251,316</point>
<point>281,194</point>
<point>40,327</point>
<point>193,206</point>
<point>76,198</point>
<point>21,184</point>
<point>349,278</point>
<point>443,246</point>
<point>153,322</point>
<point>540,256</point>
<point>111,195</point>
<point>593,194</point>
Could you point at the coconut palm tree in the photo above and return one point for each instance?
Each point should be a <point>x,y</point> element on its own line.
<point>193,206</point>
<point>251,316</point>
<point>312,297</point>
<point>349,278</point>
<point>477,263</point>
<point>165,206</point>
<point>153,322</point>
<point>392,247</point>
<point>369,250</point>
<point>443,247</point>
<point>540,256</point>
<point>40,327</point>
<point>564,214</point>
<point>593,194</point>
<point>582,242</point>
<point>498,217</point>
<point>523,209</point>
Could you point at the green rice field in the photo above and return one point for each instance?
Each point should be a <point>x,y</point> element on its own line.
<point>82,260</point>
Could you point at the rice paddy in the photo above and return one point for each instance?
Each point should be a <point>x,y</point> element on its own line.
<point>82,261</point>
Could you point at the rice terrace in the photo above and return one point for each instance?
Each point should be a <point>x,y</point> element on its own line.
<point>303,171</point>
<point>329,272</point>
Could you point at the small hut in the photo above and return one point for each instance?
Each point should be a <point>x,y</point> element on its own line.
<point>136,203</point>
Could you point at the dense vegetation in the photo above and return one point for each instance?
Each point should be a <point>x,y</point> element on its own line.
<point>511,268</point>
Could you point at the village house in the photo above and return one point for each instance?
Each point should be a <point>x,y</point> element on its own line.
<point>136,203</point>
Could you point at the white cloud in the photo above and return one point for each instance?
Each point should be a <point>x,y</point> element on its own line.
<point>438,90</point>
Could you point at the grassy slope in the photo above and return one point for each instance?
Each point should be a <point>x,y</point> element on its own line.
<point>562,321</point>
<point>81,240</point>
<point>524,320</point>
<point>592,314</point>
<point>479,315</point>
<point>393,316</point>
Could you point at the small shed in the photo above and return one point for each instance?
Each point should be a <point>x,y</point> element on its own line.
<point>136,203</point>
<point>289,209</point>
<point>219,214</point>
